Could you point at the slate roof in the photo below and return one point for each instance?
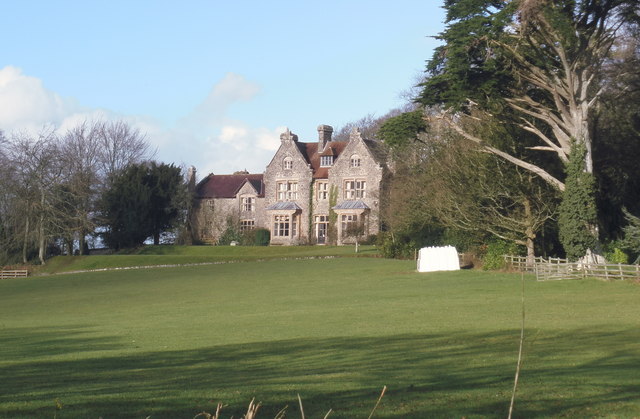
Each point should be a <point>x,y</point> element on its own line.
<point>284,206</point>
<point>349,205</point>
<point>227,186</point>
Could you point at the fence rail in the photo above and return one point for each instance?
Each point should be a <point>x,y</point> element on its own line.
<point>556,269</point>
<point>14,273</point>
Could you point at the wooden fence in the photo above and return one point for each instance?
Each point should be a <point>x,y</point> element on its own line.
<point>14,273</point>
<point>556,269</point>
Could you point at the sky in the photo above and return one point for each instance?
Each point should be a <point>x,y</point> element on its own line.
<point>212,84</point>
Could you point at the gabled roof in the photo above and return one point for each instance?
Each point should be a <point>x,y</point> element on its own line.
<point>227,186</point>
<point>312,156</point>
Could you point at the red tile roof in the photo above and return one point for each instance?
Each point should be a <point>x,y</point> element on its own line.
<point>227,186</point>
<point>310,153</point>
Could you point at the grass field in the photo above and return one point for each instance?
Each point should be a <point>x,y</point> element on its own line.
<point>172,342</point>
<point>190,255</point>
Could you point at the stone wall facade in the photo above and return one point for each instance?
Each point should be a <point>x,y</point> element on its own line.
<point>319,193</point>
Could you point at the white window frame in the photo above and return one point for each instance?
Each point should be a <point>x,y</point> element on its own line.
<point>248,204</point>
<point>322,190</point>
<point>355,189</point>
<point>284,225</point>
<point>287,163</point>
<point>287,191</point>
<point>326,161</point>
<point>246,225</point>
<point>355,161</point>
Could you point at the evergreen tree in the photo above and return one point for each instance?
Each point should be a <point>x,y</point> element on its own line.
<point>144,200</point>
<point>578,213</point>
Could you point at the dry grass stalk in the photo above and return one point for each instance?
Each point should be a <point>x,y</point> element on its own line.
<point>252,410</point>
<point>378,402</point>
<point>515,382</point>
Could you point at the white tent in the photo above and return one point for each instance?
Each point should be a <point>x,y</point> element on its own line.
<point>444,258</point>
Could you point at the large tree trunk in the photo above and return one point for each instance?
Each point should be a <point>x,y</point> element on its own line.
<point>26,239</point>
<point>41,233</point>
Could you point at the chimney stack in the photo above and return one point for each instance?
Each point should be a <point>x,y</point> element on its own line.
<point>324,136</point>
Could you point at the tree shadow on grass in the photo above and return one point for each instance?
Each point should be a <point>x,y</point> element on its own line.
<point>575,373</point>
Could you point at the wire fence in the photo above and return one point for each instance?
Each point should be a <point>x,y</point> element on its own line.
<point>557,269</point>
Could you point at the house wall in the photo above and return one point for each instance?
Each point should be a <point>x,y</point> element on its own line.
<point>369,171</point>
<point>299,172</point>
<point>212,214</point>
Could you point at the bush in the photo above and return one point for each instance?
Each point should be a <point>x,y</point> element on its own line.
<point>496,249</point>
<point>613,253</point>
<point>395,248</point>
<point>256,237</point>
<point>231,234</point>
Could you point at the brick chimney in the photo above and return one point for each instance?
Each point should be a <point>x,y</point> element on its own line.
<point>324,136</point>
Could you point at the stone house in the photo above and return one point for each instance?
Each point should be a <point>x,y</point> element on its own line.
<point>317,192</point>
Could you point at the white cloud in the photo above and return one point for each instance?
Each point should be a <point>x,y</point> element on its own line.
<point>207,137</point>
<point>27,105</point>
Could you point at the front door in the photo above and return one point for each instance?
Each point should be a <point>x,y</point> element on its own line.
<point>321,229</point>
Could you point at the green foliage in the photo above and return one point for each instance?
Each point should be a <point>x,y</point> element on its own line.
<point>493,258</point>
<point>396,247</point>
<point>402,130</point>
<point>578,214</point>
<point>255,237</point>
<point>467,65</point>
<point>616,255</point>
<point>231,233</point>
<point>262,237</point>
<point>631,241</point>
<point>125,208</point>
<point>143,201</point>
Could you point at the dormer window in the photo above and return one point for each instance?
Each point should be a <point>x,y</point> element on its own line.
<point>287,163</point>
<point>326,161</point>
<point>355,161</point>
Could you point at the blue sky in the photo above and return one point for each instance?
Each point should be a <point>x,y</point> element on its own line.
<point>211,83</point>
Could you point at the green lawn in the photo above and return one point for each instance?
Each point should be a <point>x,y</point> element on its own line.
<point>172,342</point>
<point>189,255</point>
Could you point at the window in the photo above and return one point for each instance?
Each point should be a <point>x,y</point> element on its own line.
<point>283,225</point>
<point>326,161</point>
<point>210,203</point>
<point>287,191</point>
<point>246,225</point>
<point>248,204</point>
<point>287,163</point>
<point>355,189</point>
<point>322,189</point>
<point>347,220</point>
<point>355,161</point>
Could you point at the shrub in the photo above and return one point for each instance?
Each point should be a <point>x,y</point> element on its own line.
<point>395,247</point>
<point>256,237</point>
<point>231,234</point>
<point>618,256</point>
<point>496,249</point>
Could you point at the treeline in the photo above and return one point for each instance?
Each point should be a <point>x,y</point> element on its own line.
<point>96,180</point>
<point>525,133</point>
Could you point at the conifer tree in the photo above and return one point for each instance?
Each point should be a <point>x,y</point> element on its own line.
<point>578,213</point>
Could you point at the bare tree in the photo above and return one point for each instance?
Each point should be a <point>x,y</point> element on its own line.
<point>120,145</point>
<point>81,153</point>
<point>36,170</point>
